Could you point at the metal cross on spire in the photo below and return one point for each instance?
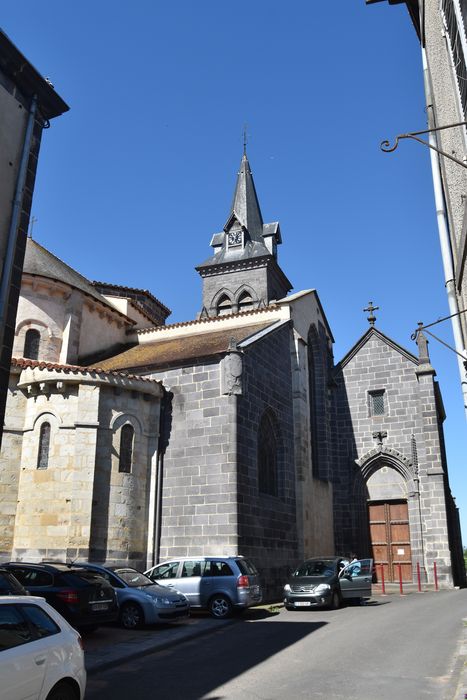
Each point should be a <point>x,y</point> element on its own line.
<point>245,140</point>
<point>371,317</point>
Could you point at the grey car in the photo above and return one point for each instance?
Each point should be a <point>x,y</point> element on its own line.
<point>327,582</point>
<point>141,601</point>
<point>218,584</point>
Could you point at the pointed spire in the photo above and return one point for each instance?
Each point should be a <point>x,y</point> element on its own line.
<point>422,343</point>
<point>424,367</point>
<point>245,205</point>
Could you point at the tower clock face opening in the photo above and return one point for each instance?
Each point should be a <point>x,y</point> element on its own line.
<point>235,238</point>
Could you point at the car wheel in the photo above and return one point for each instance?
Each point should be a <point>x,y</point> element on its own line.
<point>63,691</point>
<point>289,607</point>
<point>335,601</point>
<point>220,607</point>
<point>131,616</point>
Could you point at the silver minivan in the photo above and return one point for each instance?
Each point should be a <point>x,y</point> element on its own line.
<point>217,584</point>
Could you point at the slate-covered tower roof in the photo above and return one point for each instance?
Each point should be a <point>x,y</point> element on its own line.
<point>243,272</point>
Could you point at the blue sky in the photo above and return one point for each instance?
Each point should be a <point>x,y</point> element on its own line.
<point>135,179</point>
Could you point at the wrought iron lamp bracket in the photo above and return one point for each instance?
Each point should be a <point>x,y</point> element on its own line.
<point>387,148</point>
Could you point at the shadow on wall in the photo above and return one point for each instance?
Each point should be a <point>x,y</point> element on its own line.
<point>351,526</point>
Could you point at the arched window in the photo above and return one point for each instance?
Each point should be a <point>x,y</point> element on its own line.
<point>126,448</point>
<point>245,301</point>
<point>267,457</point>
<point>224,306</point>
<point>31,344</point>
<point>44,445</point>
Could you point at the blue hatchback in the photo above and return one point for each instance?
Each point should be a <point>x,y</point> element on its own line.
<point>141,601</point>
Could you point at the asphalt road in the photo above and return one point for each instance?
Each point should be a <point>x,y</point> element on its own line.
<point>394,647</point>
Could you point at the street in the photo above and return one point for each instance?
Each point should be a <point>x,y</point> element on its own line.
<point>393,647</point>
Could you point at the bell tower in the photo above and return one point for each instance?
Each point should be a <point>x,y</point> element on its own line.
<point>243,272</point>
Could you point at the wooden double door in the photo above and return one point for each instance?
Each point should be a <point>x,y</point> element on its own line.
<point>390,539</point>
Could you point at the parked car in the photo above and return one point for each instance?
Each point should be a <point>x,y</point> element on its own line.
<point>327,582</point>
<point>83,598</point>
<point>141,601</point>
<point>9,585</point>
<point>218,584</point>
<point>41,655</point>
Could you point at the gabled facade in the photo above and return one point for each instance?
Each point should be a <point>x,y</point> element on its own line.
<point>392,494</point>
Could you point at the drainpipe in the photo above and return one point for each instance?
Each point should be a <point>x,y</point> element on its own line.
<point>443,231</point>
<point>15,216</point>
<point>162,445</point>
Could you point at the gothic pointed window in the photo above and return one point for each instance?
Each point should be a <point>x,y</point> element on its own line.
<point>245,302</point>
<point>44,446</point>
<point>126,448</point>
<point>267,457</point>
<point>224,306</point>
<point>31,344</point>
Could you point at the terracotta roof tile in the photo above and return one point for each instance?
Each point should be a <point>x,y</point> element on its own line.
<point>23,363</point>
<point>200,321</point>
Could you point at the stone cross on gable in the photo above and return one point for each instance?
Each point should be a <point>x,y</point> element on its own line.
<point>371,317</point>
<point>379,436</point>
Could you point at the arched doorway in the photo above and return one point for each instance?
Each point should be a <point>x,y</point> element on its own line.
<point>389,524</point>
<point>390,539</point>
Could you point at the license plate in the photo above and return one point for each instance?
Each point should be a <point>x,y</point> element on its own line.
<point>302,604</point>
<point>99,606</point>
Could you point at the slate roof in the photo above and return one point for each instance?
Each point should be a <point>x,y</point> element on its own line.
<point>245,206</point>
<point>29,80</point>
<point>166,352</point>
<point>412,7</point>
<point>40,261</point>
<point>246,210</point>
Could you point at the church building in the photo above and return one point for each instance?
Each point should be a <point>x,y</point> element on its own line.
<point>129,441</point>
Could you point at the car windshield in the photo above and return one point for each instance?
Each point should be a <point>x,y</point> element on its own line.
<point>133,578</point>
<point>316,567</point>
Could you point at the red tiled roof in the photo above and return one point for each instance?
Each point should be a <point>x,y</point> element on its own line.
<point>199,321</point>
<point>23,363</point>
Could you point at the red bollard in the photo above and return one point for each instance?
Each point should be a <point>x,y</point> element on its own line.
<point>435,572</point>
<point>401,591</point>
<point>418,578</point>
<point>382,581</point>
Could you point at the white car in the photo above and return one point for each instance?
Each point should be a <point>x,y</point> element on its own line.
<point>41,655</point>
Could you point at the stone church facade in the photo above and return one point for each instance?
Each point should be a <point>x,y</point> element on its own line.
<point>129,441</point>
